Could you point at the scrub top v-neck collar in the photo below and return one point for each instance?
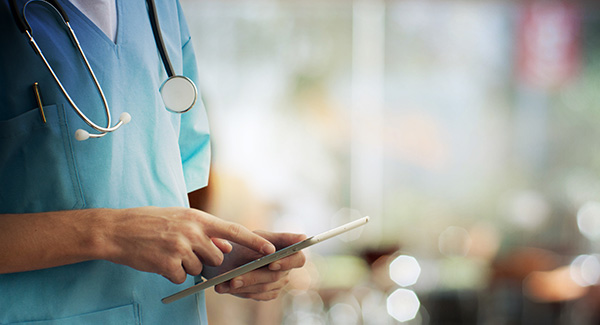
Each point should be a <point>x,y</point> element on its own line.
<point>86,21</point>
<point>102,12</point>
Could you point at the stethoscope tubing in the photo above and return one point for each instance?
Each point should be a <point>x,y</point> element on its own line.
<point>66,94</point>
<point>159,39</point>
<point>26,28</point>
<point>162,49</point>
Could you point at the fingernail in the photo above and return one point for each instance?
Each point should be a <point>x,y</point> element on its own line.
<point>275,267</point>
<point>267,249</point>
<point>223,288</point>
<point>228,244</point>
<point>237,284</point>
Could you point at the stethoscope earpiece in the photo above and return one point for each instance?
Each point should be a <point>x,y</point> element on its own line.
<point>125,118</point>
<point>82,135</point>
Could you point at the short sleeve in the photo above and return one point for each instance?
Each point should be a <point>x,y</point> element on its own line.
<point>194,137</point>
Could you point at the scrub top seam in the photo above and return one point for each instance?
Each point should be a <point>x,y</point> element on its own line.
<point>120,21</point>
<point>198,308</point>
<point>138,314</point>
<point>186,42</point>
<point>80,202</point>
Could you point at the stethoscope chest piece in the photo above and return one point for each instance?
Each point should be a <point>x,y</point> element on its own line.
<point>179,94</point>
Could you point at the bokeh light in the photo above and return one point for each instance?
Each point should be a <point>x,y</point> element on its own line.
<point>403,305</point>
<point>454,241</point>
<point>342,313</point>
<point>373,306</point>
<point>527,209</point>
<point>485,241</point>
<point>585,270</point>
<point>305,307</point>
<point>588,220</point>
<point>405,270</point>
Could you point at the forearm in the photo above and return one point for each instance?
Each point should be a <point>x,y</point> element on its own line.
<point>43,240</point>
<point>171,242</point>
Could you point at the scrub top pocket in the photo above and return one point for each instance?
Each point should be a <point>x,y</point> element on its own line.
<point>123,315</point>
<point>37,169</point>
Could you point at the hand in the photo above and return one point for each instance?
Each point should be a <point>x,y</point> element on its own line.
<point>174,242</point>
<point>265,283</point>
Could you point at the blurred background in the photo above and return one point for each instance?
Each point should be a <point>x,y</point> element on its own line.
<point>467,131</point>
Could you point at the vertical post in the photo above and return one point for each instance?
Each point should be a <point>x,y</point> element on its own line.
<point>366,162</point>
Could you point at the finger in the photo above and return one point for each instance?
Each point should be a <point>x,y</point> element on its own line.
<point>208,252</point>
<point>293,261</point>
<point>223,245</point>
<point>259,288</point>
<point>175,272</point>
<point>259,276</point>
<point>262,296</point>
<point>228,287</point>
<point>239,234</point>
<point>192,265</point>
<point>281,239</point>
<point>256,290</point>
<point>223,287</point>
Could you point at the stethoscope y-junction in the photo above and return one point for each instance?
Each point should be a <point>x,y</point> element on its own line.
<point>179,93</point>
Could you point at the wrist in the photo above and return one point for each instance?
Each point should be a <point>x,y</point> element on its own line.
<point>97,240</point>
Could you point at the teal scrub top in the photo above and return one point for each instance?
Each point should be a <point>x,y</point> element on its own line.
<point>155,160</point>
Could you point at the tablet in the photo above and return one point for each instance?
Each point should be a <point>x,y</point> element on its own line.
<point>265,260</point>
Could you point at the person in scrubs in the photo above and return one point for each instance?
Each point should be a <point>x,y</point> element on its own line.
<point>98,231</point>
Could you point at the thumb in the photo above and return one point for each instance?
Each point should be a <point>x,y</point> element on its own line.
<point>281,239</point>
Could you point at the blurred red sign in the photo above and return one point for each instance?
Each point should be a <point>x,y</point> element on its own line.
<point>549,47</point>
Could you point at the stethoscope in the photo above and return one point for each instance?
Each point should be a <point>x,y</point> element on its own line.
<point>178,92</point>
